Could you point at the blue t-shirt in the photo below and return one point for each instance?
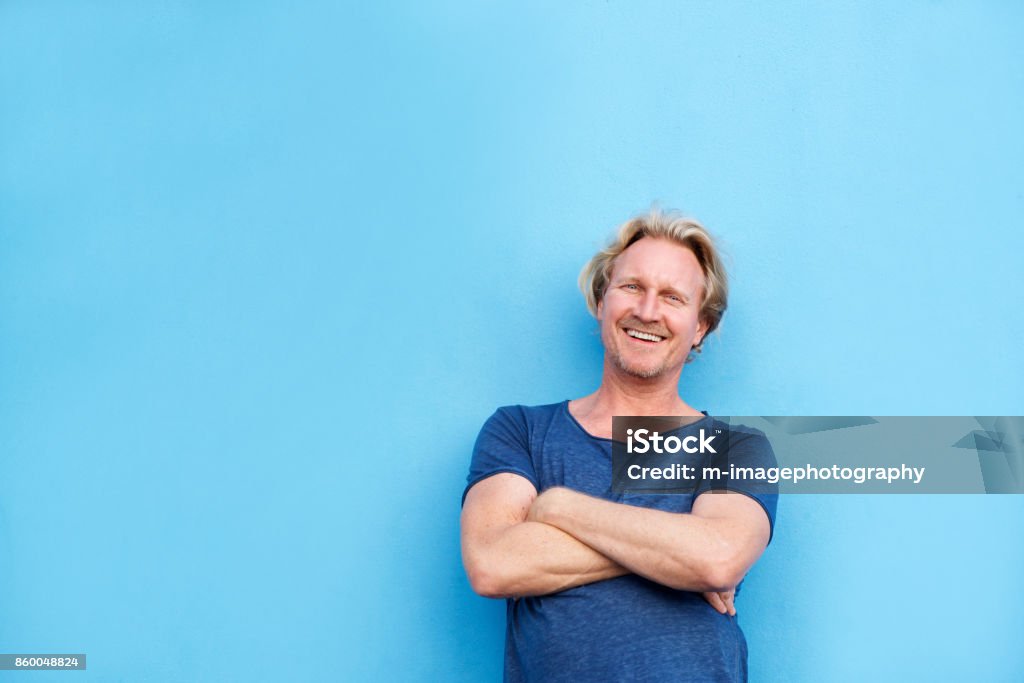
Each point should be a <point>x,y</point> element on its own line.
<point>627,628</point>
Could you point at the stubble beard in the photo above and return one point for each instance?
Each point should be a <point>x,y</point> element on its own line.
<point>640,372</point>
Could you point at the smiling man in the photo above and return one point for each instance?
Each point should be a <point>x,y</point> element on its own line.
<point>606,586</point>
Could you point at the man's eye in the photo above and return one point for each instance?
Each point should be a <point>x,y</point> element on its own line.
<point>630,287</point>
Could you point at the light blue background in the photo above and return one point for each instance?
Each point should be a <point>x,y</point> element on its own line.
<point>266,268</point>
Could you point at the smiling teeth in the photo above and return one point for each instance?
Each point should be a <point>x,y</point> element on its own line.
<point>644,336</point>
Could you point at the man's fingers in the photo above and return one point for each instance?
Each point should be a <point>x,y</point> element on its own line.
<point>728,600</point>
<point>715,600</point>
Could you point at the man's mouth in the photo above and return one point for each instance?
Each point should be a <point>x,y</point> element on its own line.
<point>645,336</point>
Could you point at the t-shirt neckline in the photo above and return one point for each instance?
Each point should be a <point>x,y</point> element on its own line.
<point>572,418</point>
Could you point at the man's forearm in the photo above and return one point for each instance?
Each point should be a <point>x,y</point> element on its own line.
<point>682,551</point>
<point>533,558</point>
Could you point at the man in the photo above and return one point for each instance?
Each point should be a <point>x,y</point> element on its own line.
<point>619,586</point>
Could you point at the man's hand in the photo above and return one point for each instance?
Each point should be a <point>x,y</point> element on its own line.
<point>545,504</point>
<point>722,601</point>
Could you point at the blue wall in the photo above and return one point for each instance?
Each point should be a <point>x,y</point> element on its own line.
<point>266,268</point>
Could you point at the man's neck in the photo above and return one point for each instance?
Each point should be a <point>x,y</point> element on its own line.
<point>623,394</point>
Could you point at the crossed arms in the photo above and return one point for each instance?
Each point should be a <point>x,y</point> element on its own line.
<point>517,543</point>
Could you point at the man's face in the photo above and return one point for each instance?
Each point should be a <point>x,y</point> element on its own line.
<point>649,313</point>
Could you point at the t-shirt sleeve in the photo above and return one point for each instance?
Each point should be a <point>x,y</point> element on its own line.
<point>503,445</point>
<point>749,449</point>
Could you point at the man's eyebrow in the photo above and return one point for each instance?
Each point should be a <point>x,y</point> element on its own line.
<point>682,295</point>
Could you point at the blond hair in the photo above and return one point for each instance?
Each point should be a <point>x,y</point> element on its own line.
<point>670,225</point>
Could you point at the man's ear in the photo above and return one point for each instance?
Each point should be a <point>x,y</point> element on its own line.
<point>702,329</point>
<point>600,309</point>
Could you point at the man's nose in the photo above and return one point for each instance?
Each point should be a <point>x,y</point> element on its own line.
<point>647,308</point>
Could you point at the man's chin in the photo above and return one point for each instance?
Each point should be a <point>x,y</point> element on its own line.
<point>640,371</point>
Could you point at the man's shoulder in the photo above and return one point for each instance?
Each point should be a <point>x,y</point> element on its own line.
<point>745,443</point>
<point>523,420</point>
<point>530,413</point>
